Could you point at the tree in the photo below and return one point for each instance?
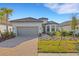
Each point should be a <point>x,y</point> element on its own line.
<point>1,17</point>
<point>58,35</point>
<point>74,25</point>
<point>6,12</point>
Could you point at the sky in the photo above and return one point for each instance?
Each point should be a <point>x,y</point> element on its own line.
<point>58,12</point>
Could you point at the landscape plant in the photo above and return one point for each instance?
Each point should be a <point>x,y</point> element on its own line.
<point>1,16</point>
<point>74,25</point>
<point>5,13</point>
<point>7,35</point>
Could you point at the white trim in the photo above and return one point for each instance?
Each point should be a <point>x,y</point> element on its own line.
<point>50,28</point>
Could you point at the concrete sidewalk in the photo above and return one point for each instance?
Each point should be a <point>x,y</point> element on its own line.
<point>58,54</point>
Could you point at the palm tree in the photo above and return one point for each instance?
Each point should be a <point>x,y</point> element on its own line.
<point>6,12</point>
<point>1,17</point>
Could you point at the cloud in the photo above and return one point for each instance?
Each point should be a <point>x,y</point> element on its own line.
<point>63,8</point>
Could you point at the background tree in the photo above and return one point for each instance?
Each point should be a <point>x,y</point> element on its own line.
<point>74,25</point>
<point>6,12</point>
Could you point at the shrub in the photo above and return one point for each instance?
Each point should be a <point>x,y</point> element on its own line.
<point>77,35</point>
<point>7,35</point>
<point>12,34</point>
<point>64,33</point>
<point>51,33</point>
<point>77,46</point>
<point>70,33</point>
<point>58,33</point>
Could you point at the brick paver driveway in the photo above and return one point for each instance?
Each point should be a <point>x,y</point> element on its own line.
<point>19,46</point>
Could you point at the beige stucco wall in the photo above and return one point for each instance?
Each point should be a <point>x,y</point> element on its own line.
<point>67,28</point>
<point>29,24</point>
<point>3,28</point>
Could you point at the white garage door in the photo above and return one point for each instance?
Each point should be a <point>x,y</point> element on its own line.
<point>27,31</point>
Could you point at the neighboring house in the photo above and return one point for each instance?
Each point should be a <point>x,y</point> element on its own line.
<point>66,26</point>
<point>51,27</point>
<point>3,26</point>
<point>28,26</point>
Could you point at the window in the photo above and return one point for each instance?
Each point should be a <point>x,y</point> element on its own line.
<point>48,28</point>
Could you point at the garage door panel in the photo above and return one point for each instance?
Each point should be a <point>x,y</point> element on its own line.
<point>27,31</point>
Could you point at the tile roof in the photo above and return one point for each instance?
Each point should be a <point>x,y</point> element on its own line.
<point>51,22</point>
<point>28,19</point>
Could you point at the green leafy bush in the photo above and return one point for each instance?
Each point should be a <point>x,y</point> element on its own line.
<point>12,34</point>
<point>70,33</point>
<point>7,35</point>
<point>58,33</point>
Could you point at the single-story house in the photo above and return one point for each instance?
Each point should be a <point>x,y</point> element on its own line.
<point>28,26</point>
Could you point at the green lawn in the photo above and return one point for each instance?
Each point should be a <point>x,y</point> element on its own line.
<point>49,46</point>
